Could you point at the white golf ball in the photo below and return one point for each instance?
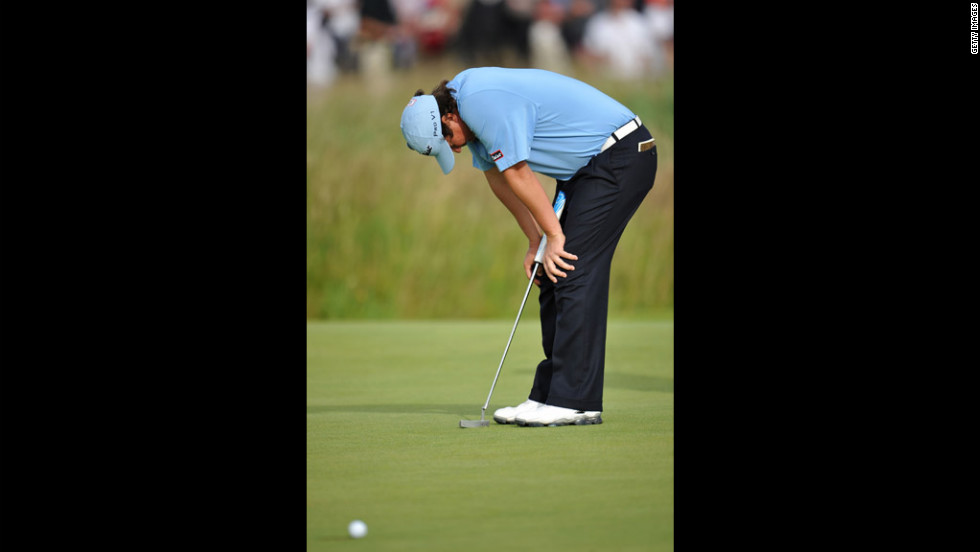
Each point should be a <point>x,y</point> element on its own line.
<point>357,529</point>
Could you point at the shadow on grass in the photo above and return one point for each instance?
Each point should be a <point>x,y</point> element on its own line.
<point>333,538</point>
<point>456,409</point>
<point>635,382</point>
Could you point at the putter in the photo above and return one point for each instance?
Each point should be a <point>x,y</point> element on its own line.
<point>538,259</point>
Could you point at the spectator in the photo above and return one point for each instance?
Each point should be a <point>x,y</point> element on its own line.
<point>321,68</point>
<point>577,14</point>
<point>495,32</point>
<point>518,16</point>
<point>618,39</point>
<point>438,26</point>
<point>431,24</point>
<point>660,19</point>
<point>403,35</point>
<point>545,42</point>
<point>374,46</point>
<point>344,22</point>
<point>479,36</point>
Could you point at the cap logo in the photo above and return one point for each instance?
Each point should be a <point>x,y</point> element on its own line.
<point>411,102</point>
<point>428,150</point>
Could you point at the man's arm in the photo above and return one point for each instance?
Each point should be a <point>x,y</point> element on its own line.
<point>516,207</point>
<point>519,190</point>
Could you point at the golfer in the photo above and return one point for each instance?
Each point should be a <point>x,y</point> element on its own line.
<point>517,122</point>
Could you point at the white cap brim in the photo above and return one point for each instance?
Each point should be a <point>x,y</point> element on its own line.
<point>444,155</point>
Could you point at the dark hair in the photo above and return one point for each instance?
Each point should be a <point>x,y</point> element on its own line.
<point>447,104</point>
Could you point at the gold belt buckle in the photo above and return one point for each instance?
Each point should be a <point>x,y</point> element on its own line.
<point>644,146</point>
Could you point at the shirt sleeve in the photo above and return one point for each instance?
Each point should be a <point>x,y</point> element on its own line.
<point>480,158</point>
<point>504,125</point>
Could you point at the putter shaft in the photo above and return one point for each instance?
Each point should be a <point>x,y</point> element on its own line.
<point>534,271</point>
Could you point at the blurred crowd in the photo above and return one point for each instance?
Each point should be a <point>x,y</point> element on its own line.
<point>624,39</point>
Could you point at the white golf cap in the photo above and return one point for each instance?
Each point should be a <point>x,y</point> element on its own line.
<point>422,127</point>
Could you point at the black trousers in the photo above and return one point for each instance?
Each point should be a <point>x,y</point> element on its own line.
<point>599,201</point>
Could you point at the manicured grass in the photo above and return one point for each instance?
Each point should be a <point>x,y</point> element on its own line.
<point>384,400</point>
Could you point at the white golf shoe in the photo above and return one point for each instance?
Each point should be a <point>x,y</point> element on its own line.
<point>508,414</point>
<point>549,415</point>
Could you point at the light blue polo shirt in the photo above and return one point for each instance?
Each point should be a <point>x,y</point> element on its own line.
<point>555,123</point>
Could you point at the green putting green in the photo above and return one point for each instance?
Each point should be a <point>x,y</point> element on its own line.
<point>384,401</point>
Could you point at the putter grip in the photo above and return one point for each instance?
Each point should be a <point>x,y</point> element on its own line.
<point>559,207</point>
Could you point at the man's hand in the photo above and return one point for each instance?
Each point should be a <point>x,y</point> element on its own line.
<point>532,251</point>
<point>554,255</point>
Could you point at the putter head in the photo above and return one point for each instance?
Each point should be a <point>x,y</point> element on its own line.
<point>474,423</point>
